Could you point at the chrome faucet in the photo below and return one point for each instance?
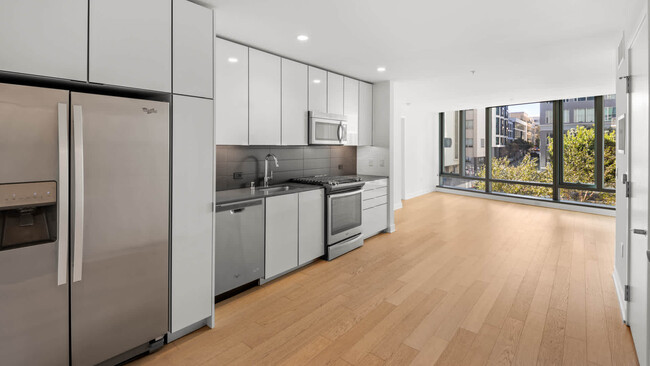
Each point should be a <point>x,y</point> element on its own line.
<point>266,168</point>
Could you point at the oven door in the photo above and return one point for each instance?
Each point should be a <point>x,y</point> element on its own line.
<point>323,131</point>
<point>343,216</point>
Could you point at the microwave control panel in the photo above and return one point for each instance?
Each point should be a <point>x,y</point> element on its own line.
<point>27,194</point>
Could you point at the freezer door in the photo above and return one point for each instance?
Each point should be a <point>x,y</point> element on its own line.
<point>120,218</point>
<point>33,306</point>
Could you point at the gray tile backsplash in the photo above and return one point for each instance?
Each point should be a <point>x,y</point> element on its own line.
<point>294,161</point>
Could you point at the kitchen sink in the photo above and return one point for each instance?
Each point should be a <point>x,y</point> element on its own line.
<point>273,189</point>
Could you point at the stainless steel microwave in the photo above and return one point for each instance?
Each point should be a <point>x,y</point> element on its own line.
<point>327,129</point>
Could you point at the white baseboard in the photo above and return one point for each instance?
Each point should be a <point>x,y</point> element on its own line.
<point>397,205</point>
<point>189,329</point>
<point>419,193</point>
<point>620,294</point>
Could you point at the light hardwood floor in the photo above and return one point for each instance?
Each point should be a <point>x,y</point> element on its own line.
<point>463,281</point>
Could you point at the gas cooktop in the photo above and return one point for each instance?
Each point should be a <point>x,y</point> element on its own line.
<point>332,183</point>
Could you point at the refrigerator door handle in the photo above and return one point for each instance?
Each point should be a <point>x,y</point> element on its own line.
<point>63,201</point>
<point>78,243</point>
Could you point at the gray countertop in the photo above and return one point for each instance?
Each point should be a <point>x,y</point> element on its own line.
<point>243,194</point>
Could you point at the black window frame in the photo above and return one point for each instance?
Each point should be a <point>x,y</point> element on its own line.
<point>558,183</point>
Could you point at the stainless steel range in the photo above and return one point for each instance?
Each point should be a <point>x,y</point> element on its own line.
<point>342,212</point>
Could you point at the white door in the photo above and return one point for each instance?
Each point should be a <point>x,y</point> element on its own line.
<point>281,235</point>
<point>230,93</point>
<point>334,93</point>
<point>638,304</point>
<point>295,102</point>
<point>351,109</point>
<point>192,190</point>
<point>192,49</point>
<point>46,38</point>
<point>264,105</point>
<point>131,43</point>
<point>311,225</point>
<point>365,114</point>
<point>621,255</point>
<point>317,90</point>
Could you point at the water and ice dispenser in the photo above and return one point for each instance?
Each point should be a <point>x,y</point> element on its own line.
<point>28,214</point>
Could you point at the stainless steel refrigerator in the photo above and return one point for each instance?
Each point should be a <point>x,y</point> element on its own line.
<point>84,222</point>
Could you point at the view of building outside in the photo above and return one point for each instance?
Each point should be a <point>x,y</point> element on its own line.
<point>522,149</point>
<point>450,158</point>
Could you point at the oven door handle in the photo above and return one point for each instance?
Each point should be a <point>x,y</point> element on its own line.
<point>336,195</point>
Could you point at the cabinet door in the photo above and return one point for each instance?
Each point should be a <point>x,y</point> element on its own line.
<point>230,93</point>
<point>317,90</point>
<point>44,37</point>
<point>334,93</point>
<point>192,190</point>
<point>351,109</point>
<point>192,49</point>
<point>131,43</point>
<point>375,220</point>
<point>295,103</point>
<point>264,104</point>
<point>281,252</point>
<point>311,226</point>
<point>365,114</point>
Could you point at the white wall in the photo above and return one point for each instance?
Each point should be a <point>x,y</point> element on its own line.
<point>420,167</point>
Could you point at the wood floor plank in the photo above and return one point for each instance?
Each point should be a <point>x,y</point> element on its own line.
<point>457,283</point>
<point>505,347</point>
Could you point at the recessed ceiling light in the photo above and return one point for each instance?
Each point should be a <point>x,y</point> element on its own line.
<point>316,81</point>
<point>233,60</point>
<point>381,69</point>
<point>303,38</point>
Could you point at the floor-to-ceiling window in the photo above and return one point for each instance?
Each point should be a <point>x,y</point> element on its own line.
<point>513,150</point>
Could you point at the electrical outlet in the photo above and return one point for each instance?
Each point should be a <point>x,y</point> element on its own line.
<point>371,162</point>
<point>237,175</point>
<point>381,163</point>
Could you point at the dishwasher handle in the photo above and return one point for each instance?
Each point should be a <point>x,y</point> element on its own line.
<point>238,207</point>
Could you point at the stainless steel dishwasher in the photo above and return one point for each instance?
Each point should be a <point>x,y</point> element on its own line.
<point>239,251</point>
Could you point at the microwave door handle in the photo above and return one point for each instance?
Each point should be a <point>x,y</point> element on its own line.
<point>62,196</point>
<point>77,260</point>
<point>339,132</point>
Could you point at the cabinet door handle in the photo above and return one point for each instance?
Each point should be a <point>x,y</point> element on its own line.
<point>640,232</point>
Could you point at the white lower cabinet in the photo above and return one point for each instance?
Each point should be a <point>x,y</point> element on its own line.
<point>311,225</point>
<point>294,231</point>
<point>375,207</point>
<point>281,234</point>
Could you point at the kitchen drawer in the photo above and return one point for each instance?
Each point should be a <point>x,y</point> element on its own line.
<point>374,184</point>
<point>375,220</point>
<point>381,200</point>
<point>369,194</point>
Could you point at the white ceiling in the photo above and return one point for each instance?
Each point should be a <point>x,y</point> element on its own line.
<point>433,44</point>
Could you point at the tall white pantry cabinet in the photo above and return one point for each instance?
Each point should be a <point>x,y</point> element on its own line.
<point>193,154</point>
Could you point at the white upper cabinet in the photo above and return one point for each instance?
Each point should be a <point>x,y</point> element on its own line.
<point>192,42</point>
<point>265,82</point>
<point>334,93</point>
<point>230,93</point>
<point>45,37</point>
<point>130,43</point>
<point>295,103</point>
<point>317,90</point>
<point>351,109</point>
<point>365,114</point>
